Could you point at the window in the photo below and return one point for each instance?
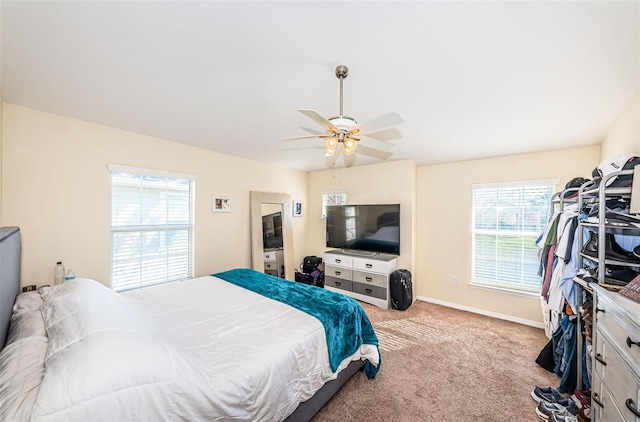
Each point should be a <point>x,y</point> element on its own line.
<point>507,220</point>
<point>151,227</point>
<point>332,198</point>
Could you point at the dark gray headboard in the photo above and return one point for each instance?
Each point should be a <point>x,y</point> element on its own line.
<point>10,249</point>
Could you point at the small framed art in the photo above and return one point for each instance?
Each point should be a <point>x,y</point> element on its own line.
<point>297,208</point>
<point>221,204</point>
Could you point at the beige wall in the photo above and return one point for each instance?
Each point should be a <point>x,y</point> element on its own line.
<point>624,135</point>
<point>386,183</point>
<point>56,187</point>
<point>444,227</point>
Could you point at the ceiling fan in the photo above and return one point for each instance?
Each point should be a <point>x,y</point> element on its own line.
<point>345,130</point>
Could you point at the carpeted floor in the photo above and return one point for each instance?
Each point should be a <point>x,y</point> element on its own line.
<point>442,364</point>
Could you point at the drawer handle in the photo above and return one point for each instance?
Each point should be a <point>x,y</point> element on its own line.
<point>368,278</point>
<point>337,272</point>
<point>631,342</point>
<point>600,310</point>
<point>594,397</point>
<point>338,260</point>
<point>368,265</point>
<point>631,406</point>
<point>598,357</point>
<point>368,291</point>
<point>338,283</point>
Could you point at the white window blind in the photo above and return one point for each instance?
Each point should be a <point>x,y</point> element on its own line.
<point>507,219</point>
<point>332,198</point>
<point>151,227</point>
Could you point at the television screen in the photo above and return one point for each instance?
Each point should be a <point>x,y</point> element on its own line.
<point>372,228</point>
<point>272,231</point>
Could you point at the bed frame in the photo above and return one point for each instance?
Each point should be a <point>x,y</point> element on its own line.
<point>10,251</point>
<point>306,410</point>
<point>10,248</point>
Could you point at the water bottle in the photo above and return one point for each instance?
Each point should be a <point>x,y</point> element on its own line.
<point>70,275</point>
<point>58,273</point>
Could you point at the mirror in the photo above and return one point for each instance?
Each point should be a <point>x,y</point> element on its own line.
<point>271,234</point>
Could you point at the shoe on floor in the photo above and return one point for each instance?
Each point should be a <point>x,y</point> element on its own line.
<point>570,405</point>
<point>549,394</point>
<point>584,415</point>
<point>583,397</point>
<point>546,410</point>
<point>563,418</point>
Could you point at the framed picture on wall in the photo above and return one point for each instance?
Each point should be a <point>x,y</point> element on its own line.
<point>297,208</point>
<point>221,204</point>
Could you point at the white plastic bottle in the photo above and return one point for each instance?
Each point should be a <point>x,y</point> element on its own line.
<point>58,273</point>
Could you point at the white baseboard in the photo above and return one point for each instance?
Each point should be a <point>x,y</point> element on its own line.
<point>481,312</point>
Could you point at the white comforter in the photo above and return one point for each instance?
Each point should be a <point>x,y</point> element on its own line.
<point>202,349</point>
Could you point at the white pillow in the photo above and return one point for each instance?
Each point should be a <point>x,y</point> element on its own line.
<point>25,325</point>
<point>27,301</point>
<point>105,350</point>
<point>21,372</point>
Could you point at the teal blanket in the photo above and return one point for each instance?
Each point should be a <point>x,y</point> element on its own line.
<point>346,325</point>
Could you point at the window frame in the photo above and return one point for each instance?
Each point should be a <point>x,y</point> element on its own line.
<point>185,269</point>
<point>517,287</point>
<point>325,194</point>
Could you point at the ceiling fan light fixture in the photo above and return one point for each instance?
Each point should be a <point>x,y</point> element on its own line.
<point>331,144</point>
<point>350,145</point>
<point>347,131</point>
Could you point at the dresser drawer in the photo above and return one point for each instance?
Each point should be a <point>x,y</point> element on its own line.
<point>619,333</point>
<point>616,376</point>
<point>373,291</point>
<point>371,265</point>
<point>371,279</point>
<point>269,265</point>
<point>603,404</point>
<point>338,260</point>
<point>338,283</point>
<point>269,256</point>
<point>338,272</point>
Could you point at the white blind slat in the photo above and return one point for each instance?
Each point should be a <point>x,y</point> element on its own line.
<point>151,229</point>
<point>507,220</point>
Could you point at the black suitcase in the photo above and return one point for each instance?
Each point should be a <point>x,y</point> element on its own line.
<point>400,289</point>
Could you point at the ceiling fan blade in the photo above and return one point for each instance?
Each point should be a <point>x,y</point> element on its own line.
<point>381,155</point>
<point>316,117</point>
<point>298,148</point>
<point>311,130</point>
<point>295,138</point>
<point>381,122</point>
<point>375,144</point>
<point>388,134</point>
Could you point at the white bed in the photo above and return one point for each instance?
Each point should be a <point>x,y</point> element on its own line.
<point>202,349</point>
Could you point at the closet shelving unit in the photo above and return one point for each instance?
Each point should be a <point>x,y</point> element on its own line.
<point>594,194</point>
<point>560,199</point>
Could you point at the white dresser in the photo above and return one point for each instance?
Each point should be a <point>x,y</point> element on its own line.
<point>362,277</point>
<point>274,262</point>
<point>615,384</point>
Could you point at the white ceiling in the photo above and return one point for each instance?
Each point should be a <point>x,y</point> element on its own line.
<point>471,79</point>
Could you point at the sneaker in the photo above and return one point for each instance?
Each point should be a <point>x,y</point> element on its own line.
<point>546,410</point>
<point>583,397</point>
<point>549,394</point>
<point>556,417</point>
<point>570,405</point>
<point>584,415</point>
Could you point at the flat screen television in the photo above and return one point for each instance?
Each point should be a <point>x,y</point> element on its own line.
<point>369,228</point>
<point>272,231</point>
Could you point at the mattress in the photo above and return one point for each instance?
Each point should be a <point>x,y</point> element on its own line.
<point>202,349</point>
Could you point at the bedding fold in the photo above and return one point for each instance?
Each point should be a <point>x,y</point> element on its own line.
<point>346,325</point>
